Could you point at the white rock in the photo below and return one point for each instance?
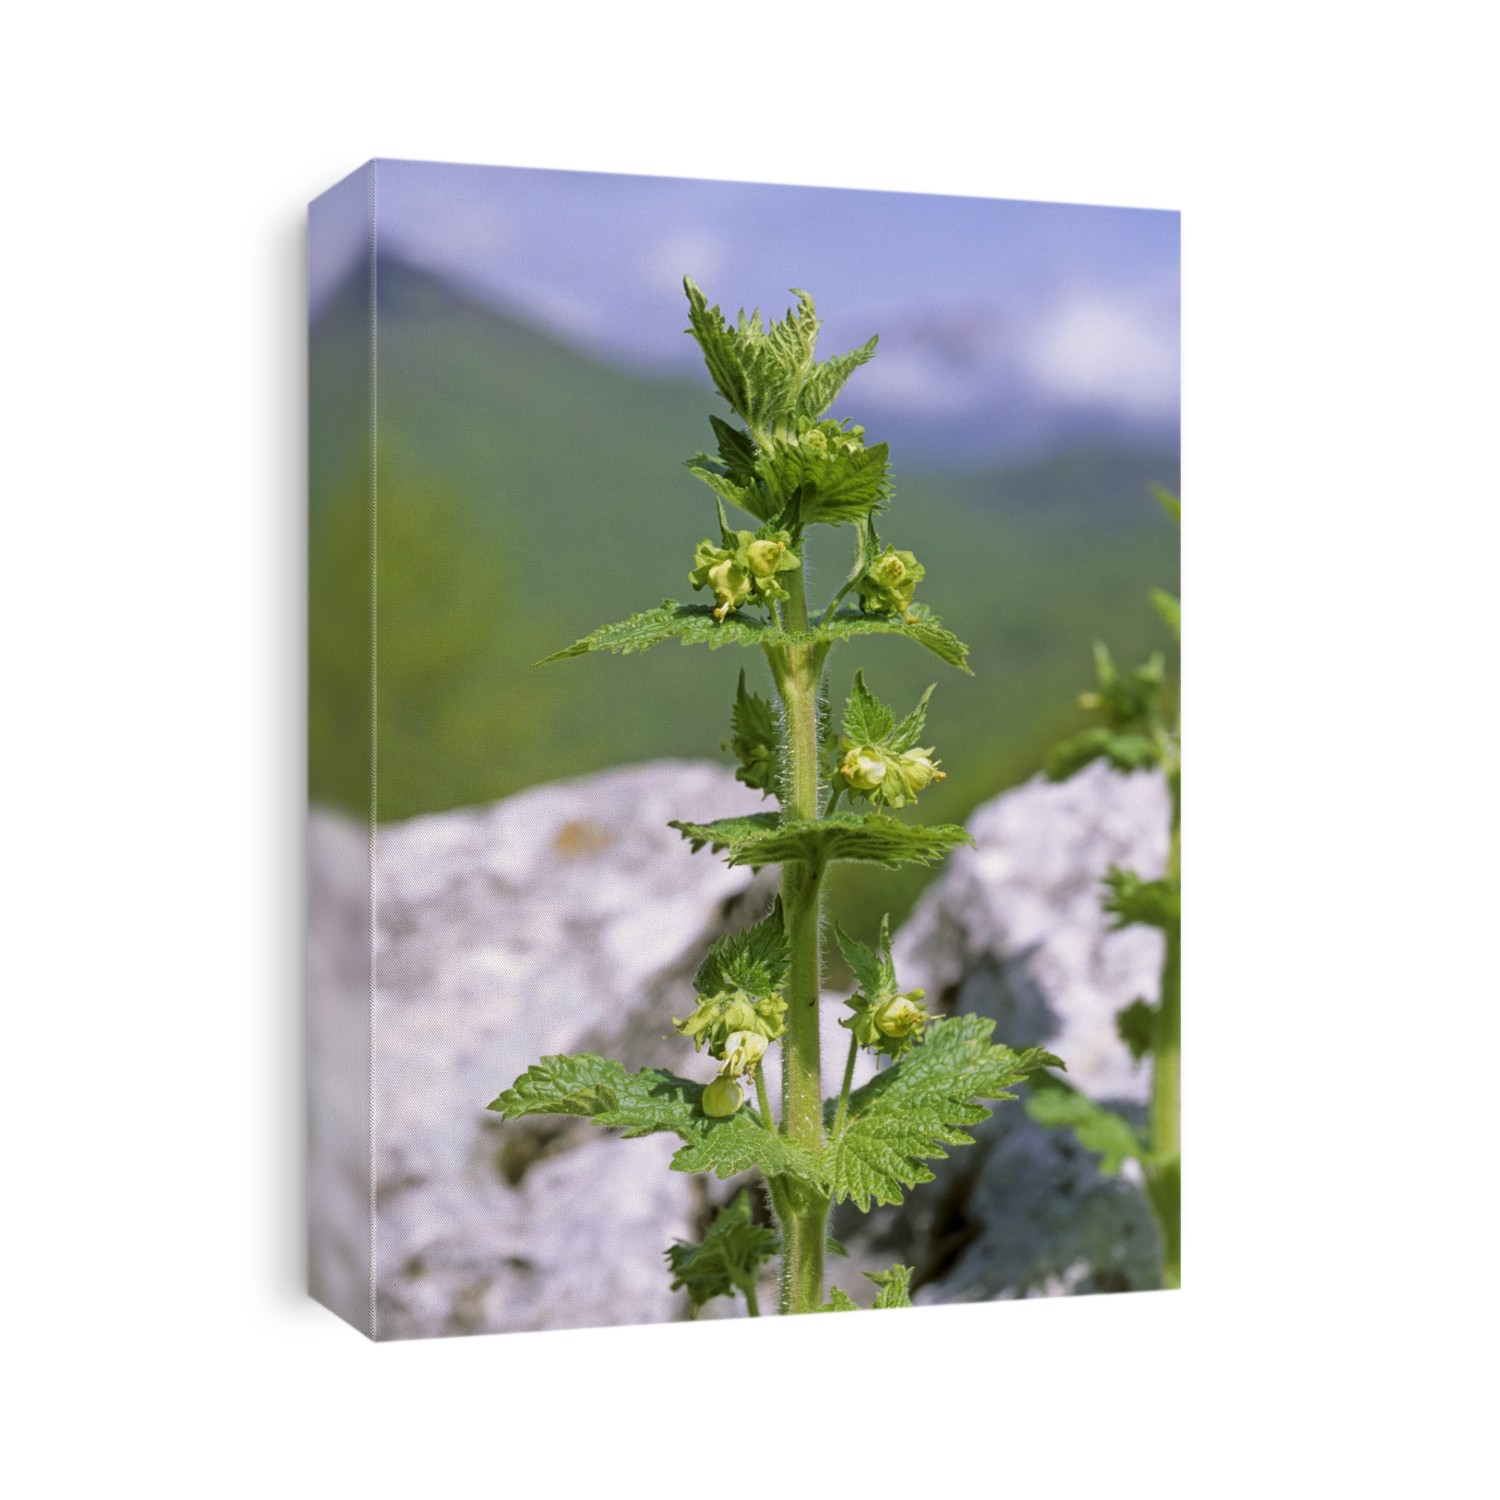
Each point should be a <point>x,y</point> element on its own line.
<point>1014,930</point>
<point>567,918</point>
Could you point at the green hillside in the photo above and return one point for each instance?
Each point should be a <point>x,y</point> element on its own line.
<point>529,493</point>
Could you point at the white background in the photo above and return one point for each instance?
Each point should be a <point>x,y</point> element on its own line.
<point>1334,164</point>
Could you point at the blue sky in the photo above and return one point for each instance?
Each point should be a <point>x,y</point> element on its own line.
<point>1001,322</point>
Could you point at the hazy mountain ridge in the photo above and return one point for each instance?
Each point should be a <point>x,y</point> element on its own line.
<point>529,492</point>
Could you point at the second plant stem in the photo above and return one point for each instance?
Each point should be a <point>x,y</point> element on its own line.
<point>1165,1181</point>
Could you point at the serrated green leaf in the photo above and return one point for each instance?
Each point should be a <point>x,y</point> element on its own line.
<point>755,742</point>
<point>758,370</point>
<point>1137,902</point>
<point>856,485</point>
<point>826,380</point>
<point>924,628</point>
<point>650,1101</point>
<point>600,1089</point>
<point>768,839</point>
<point>768,373</point>
<point>873,969</point>
<point>895,1286</point>
<point>737,1144</point>
<point>867,720</point>
<point>749,496</point>
<point>717,341</point>
<point>1129,701</point>
<point>736,450</point>
<point>734,834</point>
<point>1055,1105</point>
<point>910,729</point>
<point>692,624</point>
<point>728,1257</point>
<point>833,487</point>
<point>895,1291</point>
<point>755,960</point>
<point>906,1115</point>
<point>840,1301</point>
<point>877,838</point>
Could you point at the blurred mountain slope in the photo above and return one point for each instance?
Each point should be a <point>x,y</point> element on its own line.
<point>529,492</point>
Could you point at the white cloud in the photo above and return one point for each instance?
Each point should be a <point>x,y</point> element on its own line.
<point>688,251</point>
<point>1095,350</point>
<point>909,379</point>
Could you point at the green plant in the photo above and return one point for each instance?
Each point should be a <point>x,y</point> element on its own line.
<point>790,469</point>
<point>1137,732</point>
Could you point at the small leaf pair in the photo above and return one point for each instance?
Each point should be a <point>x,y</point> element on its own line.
<point>727,1259</point>
<point>883,1020</point>
<point>881,760</point>
<point>895,1291</point>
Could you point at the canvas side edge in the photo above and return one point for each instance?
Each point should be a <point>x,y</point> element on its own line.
<point>340,827</point>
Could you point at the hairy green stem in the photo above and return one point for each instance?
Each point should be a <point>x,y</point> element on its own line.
<point>804,1229</point>
<point>802,1092</point>
<point>1166,1074</point>
<point>796,602</point>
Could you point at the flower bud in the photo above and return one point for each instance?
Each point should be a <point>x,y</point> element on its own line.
<point>919,770</point>
<point>722,1098</point>
<point>901,1017</point>
<point>772,1014</point>
<point>738,1017</point>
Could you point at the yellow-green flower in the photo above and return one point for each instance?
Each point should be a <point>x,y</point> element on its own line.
<point>718,1019</point>
<point>742,1051</point>
<point>888,778</point>
<point>744,570</point>
<point>889,582</point>
<point>893,1025</point>
<point>902,1017</point>
<point>864,768</point>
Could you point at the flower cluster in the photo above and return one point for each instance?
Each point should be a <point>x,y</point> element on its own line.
<point>744,569</point>
<point>821,439</point>
<point>886,777</point>
<point>736,1028</point>
<point>887,585</point>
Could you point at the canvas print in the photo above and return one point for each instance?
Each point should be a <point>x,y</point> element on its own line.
<point>744,750</point>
